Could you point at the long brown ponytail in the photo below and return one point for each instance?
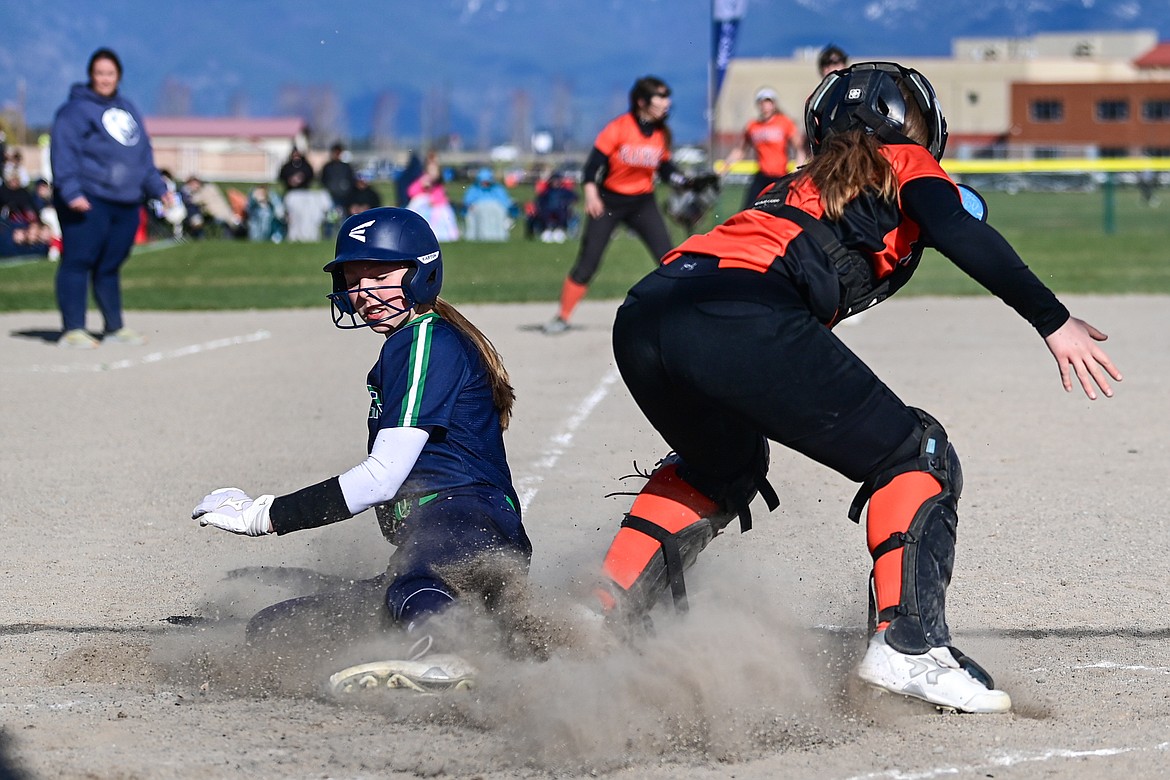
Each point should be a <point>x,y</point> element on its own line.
<point>846,165</point>
<point>503,396</point>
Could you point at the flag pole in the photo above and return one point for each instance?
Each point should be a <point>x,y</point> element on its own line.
<point>711,87</point>
<point>725,19</point>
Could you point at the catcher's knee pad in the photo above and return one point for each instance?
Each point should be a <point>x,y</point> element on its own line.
<point>734,497</point>
<point>670,523</point>
<point>910,527</point>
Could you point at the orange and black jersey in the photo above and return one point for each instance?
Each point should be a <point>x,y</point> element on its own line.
<point>892,234</point>
<point>630,153</point>
<point>770,138</point>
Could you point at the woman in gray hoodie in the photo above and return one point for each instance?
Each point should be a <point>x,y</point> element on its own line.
<point>103,170</point>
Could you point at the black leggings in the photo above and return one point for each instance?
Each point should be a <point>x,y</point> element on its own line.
<point>716,359</point>
<point>640,213</point>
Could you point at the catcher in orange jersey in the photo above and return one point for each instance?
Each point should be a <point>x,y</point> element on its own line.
<point>619,175</point>
<point>729,344</point>
<point>774,138</point>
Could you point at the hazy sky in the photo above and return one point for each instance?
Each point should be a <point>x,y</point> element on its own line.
<point>472,65</point>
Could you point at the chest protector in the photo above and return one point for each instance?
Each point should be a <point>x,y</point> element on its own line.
<point>860,285</point>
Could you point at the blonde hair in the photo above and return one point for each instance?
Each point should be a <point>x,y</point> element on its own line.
<point>850,163</point>
<point>503,395</point>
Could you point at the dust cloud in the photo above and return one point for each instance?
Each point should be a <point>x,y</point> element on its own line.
<point>730,680</point>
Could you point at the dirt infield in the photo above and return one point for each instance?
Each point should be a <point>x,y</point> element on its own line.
<point>121,620</point>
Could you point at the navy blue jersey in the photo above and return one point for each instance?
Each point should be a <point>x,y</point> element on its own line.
<point>431,376</point>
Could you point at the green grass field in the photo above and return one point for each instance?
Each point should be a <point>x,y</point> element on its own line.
<point>1060,235</point>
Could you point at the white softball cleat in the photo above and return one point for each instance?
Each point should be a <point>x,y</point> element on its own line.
<point>936,676</point>
<point>429,674</point>
<point>555,326</point>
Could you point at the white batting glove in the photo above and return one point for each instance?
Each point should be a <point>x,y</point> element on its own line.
<point>231,509</point>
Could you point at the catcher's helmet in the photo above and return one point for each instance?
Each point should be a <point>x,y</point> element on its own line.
<point>388,235</point>
<point>868,96</point>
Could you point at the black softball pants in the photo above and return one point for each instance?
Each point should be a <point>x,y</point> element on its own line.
<point>638,212</point>
<point>717,358</point>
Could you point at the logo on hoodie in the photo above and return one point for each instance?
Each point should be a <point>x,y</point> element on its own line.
<point>121,126</point>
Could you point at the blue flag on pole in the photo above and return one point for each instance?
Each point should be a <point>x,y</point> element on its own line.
<point>725,18</point>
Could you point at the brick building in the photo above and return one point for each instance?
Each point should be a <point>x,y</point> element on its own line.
<point>1106,119</point>
<point>225,148</point>
<point>215,148</point>
<point>1111,87</point>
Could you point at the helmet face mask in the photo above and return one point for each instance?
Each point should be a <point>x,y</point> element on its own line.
<point>390,296</point>
<point>868,96</point>
<point>392,236</point>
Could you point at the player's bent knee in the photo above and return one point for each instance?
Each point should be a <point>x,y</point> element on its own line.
<point>414,600</point>
<point>911,528</point>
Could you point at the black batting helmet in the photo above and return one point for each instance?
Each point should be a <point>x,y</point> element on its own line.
<point>869,96</point>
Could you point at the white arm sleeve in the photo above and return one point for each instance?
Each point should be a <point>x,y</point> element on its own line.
<point>378,477</point>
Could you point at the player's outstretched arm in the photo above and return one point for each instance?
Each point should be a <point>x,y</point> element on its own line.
<point>231,509</point>
<point>1074,345</point>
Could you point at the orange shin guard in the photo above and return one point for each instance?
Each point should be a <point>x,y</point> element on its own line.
<point>892,509</point>
<point>663,533</point>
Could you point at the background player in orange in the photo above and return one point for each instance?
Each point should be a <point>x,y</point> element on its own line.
<point>775,139</point>
<point>729,345</point>
<point>832,58</point>
<point>619,178</point>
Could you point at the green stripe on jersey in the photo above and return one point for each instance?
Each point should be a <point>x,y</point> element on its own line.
<point>416,380</point>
